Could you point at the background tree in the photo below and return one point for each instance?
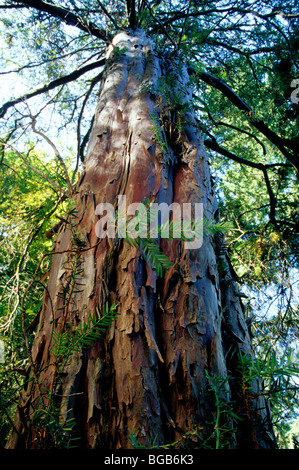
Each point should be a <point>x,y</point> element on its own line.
<point>174,336</point>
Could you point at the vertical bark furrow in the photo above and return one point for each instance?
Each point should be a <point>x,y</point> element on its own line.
<point>147,373</point>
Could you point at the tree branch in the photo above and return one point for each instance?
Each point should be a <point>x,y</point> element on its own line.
<point>282,144</point>
<point>50,60</point>
<point>247,52</point>
<point>36,170</point>
<point>131,13</point>
<point>212,144</point>
<point>160,24</point>
<point>57,154</point>
<point>203,12</point>
<point>67,16</point>
<point>272,199</point>
<point>116,26</point>
<point>85,141</point>
<point>231,126</point>
<point>94,81</point>
<point>184,26</point>
<point>55,83</point>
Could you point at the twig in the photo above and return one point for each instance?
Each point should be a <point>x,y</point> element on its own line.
<point>94,81</point>
<point>116,26</point>
<point>160,24</point>
<point>67,17</point>
<point>49,86</point>
<point>36,170</point>
<point>56,152</point>
<point>184,25</point>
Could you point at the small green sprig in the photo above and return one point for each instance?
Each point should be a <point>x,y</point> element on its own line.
<point>66,342</point>
<point>95,326</point>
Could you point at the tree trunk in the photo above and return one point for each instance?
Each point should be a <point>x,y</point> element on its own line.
<point>146,375</point>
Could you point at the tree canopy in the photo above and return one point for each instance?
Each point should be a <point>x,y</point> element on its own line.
<point>242,59</point>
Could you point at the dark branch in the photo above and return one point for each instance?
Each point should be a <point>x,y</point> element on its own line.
<point>85,141</point>
<point>67,17</point>
<point>108,15</point>
<point>55,83</point>
<point>205,12</point>
<point>80,149</point>
<point>184,26</point>
<point>231,126</point>
<point>212,144</point>
<point>282,144</point>
<point>163,29</point>
<point>131,13</point>
<point>246,52</point>
<point>273,202</point>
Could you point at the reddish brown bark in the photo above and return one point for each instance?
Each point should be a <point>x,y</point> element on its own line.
<point>147,374</point>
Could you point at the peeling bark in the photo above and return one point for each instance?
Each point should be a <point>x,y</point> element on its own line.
<point>147,374</point>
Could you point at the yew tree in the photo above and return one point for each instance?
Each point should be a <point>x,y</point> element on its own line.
<point>144,342</point>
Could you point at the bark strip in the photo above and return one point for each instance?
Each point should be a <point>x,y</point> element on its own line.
<point>147,374</point>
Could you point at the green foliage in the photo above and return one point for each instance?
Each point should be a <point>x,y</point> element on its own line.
<point>91,330</point>
<point>272,371</point>
<point>117,51</point>
<point>186,441</point>
<point>65,342</point>
<point>224,415</point>
<point>154,256</point>
<point>269,368</point>
<point>27,207</point>
<point>158,133</point>
<point>52,430</point>
<point>253,48</point>
<point>279,374</point>
<point>170,120</point>
<point>170,230</point>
